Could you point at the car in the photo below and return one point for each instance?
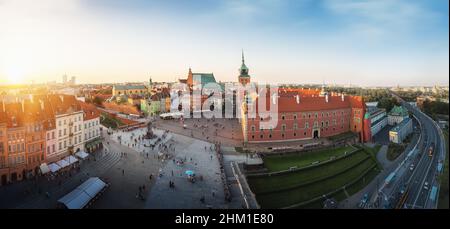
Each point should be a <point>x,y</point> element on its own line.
<point>411,167</point>
<point>425,186</point>
<point>365,198</point>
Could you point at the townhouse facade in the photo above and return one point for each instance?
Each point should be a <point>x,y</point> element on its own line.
<point>91,128</point>
<point>42,129</point>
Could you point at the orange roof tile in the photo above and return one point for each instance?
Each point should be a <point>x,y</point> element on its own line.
<point>90,111</point>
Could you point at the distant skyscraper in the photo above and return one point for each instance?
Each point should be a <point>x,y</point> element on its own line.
<point>73,80</point>
<point>64,79</point>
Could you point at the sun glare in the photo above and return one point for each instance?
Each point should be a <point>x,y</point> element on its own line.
<point>15,76</point>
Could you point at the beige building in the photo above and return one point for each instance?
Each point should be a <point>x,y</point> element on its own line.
<point>129,90</point>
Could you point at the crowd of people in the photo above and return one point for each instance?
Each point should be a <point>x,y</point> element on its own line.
<point>162,149</point>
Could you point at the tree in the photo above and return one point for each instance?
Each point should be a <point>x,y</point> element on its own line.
<point>433,108</point>
<point>387,103</point>
<point>98,101</point>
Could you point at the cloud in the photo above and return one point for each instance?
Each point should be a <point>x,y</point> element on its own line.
<point>256,10</point>
<point>376,19</point>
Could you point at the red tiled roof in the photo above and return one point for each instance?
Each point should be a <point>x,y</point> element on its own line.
<point>14,118</point>
<point>287,102</point>
<point>46,106</point>
<point>38,108</point>
<point>90,111</point>
<point>123,108</point>
<point>300,91</point>
<point>64,103</point>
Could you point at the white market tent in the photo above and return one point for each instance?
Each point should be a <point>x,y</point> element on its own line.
<point>62,163</point>
<point>83,194</point>
<point>54,167</point>
<point>171,115</point>
<point>44,168</point>
<point>70,159</point>
<point>81,154</point>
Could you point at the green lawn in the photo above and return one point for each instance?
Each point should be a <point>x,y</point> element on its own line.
<point>444,189</point>
<point>284,162</point>
<point>109,121</point>
<point>361,183</point>
<point>394,150</point>
<point>295,187</point>
<point>265,184</point>
<point>373,153</point>
<point>317,189</point>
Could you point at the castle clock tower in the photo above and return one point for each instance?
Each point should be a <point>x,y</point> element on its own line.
<point>244,77</point>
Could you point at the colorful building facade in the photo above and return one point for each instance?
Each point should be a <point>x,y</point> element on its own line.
<point>39,129</point>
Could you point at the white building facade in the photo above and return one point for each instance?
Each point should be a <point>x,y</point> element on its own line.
<point>378,120</point>
<point>401,131</point>
<point>91,131</point>
<point>69,129</point>
<point>397,115</point>
<point>51,144</point>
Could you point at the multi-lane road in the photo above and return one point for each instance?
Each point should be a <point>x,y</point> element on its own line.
<point>416,185</point>
<point>414,182</point>
<point>424,177</point>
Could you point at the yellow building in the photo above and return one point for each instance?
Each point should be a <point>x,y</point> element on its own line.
<point>129,90</point>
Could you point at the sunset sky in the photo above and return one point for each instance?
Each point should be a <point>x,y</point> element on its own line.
<point>382,42</point>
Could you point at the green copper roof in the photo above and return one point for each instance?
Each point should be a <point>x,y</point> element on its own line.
<point>204,77</point>
<point>243,70</point>
<point>399,110</point>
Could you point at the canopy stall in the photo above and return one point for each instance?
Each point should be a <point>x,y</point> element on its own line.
<point>44,168</point>
<point>82,155</point>
<point>83,194</point>
<point>70,159</point>
<point>54,167</point>
<point>62,163</point>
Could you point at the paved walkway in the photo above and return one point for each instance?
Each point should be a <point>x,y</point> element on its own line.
<point>382,157</point>
<point>131,172</point>
<point>127,165</point>
<point>226,131</point>
<point>187,194</point>
<point>236,193</point>
<point>13,196</point>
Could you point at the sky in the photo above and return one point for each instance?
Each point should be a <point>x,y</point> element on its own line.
<point>367,42</point>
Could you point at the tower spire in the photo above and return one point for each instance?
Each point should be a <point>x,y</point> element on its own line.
<point>243,61</point>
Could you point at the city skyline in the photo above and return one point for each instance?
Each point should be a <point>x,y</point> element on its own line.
<point>376,43</point>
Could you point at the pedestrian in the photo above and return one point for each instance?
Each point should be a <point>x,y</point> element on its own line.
<point>172,172</point>
<point>123,171</point>
<point>202,199</point>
